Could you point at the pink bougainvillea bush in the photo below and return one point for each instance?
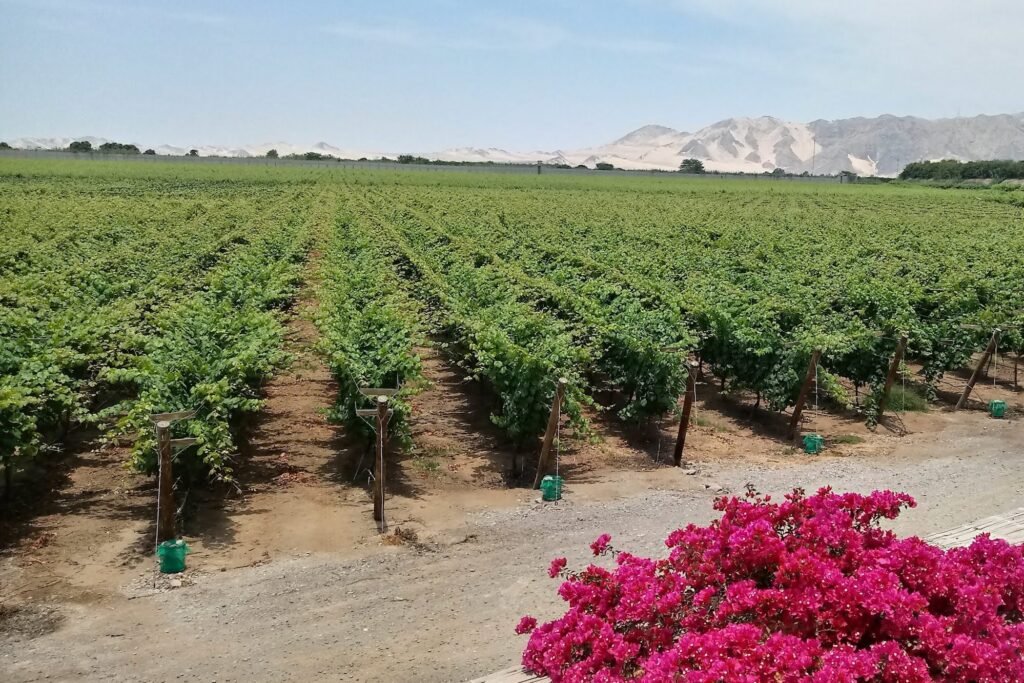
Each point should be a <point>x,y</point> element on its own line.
<point>809,589</point>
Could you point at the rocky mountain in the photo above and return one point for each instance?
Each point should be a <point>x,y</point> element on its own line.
<point>875,146</point>
<point>887,143</point>
<point>866,146</point>
<point>734,145</point>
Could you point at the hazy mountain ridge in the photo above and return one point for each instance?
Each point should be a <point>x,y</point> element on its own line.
<point>867,146</point>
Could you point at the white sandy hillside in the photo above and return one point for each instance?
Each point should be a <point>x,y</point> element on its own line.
<point>492,154</point>
<point>649,147</point>
<point>860,166</point>
<point>53,143</point>
<point>342,152</point>
<point>751,145</point>
<point>651,136</point>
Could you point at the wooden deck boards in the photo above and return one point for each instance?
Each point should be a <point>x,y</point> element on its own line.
<point>1009,527</point>
<point>513,674</point>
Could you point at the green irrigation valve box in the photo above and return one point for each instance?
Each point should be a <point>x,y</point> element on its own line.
<point>997,408</point>
<point>813,444</point>
<point>172,556</point>
<point>551,488</point>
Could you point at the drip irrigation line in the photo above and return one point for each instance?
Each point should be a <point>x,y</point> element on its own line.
<point>903,397</point>
<point>159,483</point>
<point>558,436</point>
<point>995,363</point>
<point>816,387</point>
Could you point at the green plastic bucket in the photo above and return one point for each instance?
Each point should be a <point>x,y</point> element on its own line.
<point>551,488</point>
<point>813,444</point>
<point>172,556</point>
<point>997,408</point>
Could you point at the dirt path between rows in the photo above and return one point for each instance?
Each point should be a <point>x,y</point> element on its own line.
<point>293,498</point>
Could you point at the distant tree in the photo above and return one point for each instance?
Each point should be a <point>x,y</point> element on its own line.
<point>4,145</point>
<point>604,166</point>
<point>779,172</point>
<point>80,146</point>
<point>363,159</point>
<point>150,152</point>
<point>410,159</point>
<point>691,166</point>
<point>583,166</point>
<point>805,174</point>
<point>193,152</point>
<point>950,169</point>
<point>312,156</point>
<point>118,148</point>
<point>272,154</point>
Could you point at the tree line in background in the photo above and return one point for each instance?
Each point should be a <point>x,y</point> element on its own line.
<point>951,169</point>
<point>945,170</point>
<point>691,166</point>
<point>84,146</point>
<point>106,148</point>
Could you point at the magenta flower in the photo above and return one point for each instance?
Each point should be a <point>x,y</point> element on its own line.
<point>601,544</point>
<point>525,625</point>
<point>808,589</point>
<point>557,565</point>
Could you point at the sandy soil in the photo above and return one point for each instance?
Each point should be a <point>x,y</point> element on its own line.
<point>290,580</point>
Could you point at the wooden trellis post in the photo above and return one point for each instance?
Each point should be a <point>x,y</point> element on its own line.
<point>684,421</point>
<point>979,368</point>
<point>544,462</point>
<point>165,527</point>
<point>165,530</point>
<point>894,367</point>
<point>381,417</point>
<point>378,465</point>
<point>801,398</point>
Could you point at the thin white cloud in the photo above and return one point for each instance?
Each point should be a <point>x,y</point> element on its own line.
<point>636,46</point>
<point>492,33</point>
<point>382,34</point>
<point>520,33</point>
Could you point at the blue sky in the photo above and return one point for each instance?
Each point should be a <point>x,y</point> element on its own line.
<point>534,74</point>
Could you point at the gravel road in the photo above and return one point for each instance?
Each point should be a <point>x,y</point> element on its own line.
<point>444,610</point>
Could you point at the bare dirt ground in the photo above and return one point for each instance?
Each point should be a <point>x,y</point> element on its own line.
<point>442,608</point>
<point>290,580</point>
<point>77,542</point>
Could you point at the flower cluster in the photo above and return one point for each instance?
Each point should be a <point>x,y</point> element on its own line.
<point>809,589</point>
